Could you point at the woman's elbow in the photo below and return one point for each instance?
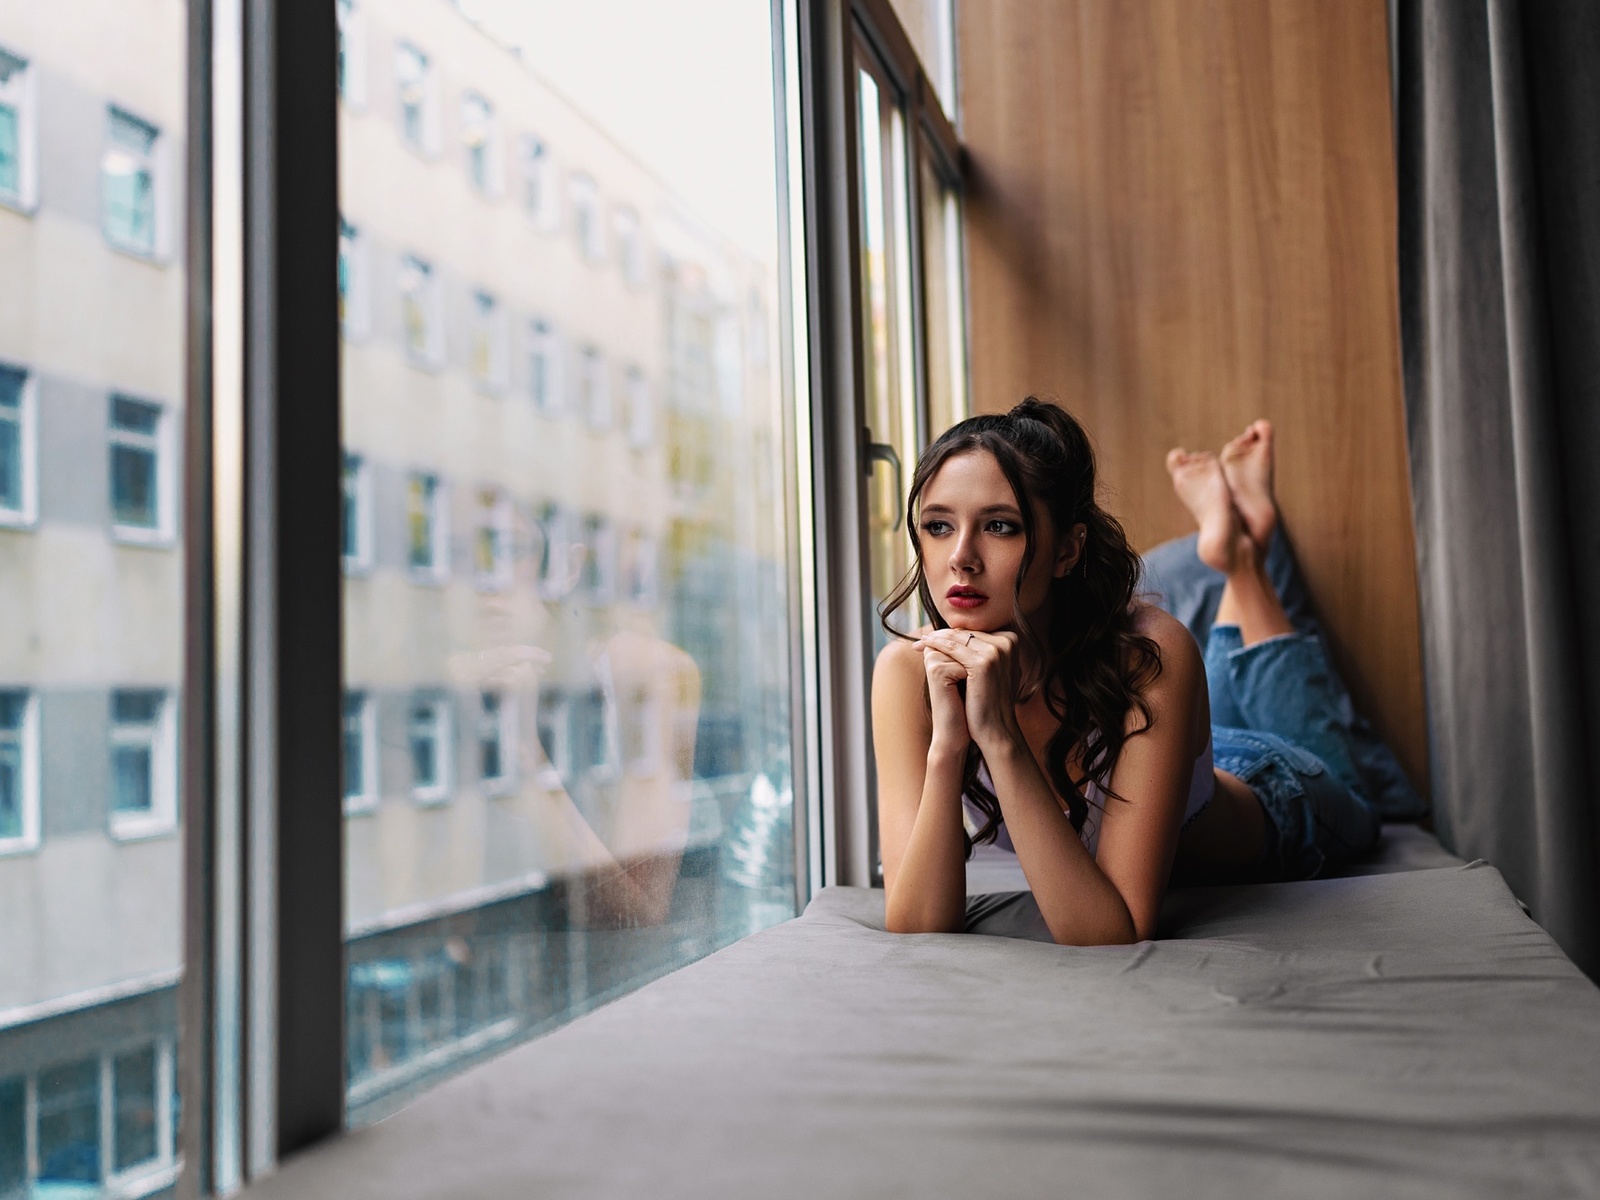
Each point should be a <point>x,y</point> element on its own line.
<point>897,919</point>
<point>1112,933</point>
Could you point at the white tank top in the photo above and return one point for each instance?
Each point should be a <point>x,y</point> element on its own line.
<point>1202,786</point>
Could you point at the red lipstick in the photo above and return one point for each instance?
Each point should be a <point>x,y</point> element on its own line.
<point>965,597</point>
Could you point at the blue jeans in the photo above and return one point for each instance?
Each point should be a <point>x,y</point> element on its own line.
<point>1191,591</point>
<point>1279,722</point>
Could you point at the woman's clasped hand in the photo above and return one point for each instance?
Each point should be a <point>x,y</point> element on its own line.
<point>986,664</point>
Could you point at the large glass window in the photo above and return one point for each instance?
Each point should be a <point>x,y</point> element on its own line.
<point>944,292</point>
<point>889,367</point>
<point>92,395</point>
<point>581,719</point>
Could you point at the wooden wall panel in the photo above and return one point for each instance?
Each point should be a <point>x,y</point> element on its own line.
<point>1181,217</point>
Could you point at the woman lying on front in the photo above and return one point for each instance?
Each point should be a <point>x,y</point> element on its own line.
<point>1051,713</point>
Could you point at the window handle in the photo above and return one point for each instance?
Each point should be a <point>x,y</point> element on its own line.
<point>877,452</point>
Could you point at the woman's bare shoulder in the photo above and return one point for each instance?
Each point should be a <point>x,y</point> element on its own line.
<point>899,692</point>
<point>899,665</point>
<point>1173,640</point>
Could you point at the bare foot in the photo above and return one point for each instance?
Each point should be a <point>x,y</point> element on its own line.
<point>1197,478</point>
<point>1247,466</point>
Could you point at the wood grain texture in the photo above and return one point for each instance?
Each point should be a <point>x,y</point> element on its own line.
<point>1181,217</point>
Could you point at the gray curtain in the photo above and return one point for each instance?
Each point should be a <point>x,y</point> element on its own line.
<point>1498,144</point>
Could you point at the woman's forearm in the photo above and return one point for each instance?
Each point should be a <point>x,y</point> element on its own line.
<point>930,888</point>
<point>1079,904</point>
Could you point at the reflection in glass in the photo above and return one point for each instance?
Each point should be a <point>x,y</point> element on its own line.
<point>91,594</point>
<point>568,760</point>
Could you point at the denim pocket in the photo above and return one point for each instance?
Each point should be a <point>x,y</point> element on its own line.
<point>1307,763</point>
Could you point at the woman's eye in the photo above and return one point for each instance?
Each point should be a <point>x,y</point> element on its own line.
<point>1004,528</point>
<point>935,528</point>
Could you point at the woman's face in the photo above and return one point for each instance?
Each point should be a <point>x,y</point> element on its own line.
<point>970,532</point>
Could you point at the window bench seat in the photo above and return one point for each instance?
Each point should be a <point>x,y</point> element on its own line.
<point>1405,1032</point>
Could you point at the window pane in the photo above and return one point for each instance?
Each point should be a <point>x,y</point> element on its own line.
<point>943,288</point>
<point>92,394</point>
<point>69,1123</point>
<point>355,782</point>
<point>13,1136</point>
<point>134,1081</point>
<point>128,183</point>
<point>10,151</point>
<point>579,585</point>
<point>133,486</point>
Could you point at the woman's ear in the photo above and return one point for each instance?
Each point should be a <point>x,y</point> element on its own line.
<point>1069,550</point>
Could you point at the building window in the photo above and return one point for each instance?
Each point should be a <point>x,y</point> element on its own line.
<point>419,115</point>
<point>356,523</point>
<point>129,177</point>
<point>17,161</point>
<point>19,771</point>
<point>594,388</point>
<point>544,368</point>
<point>360,752</point>
<point>491,554</point>
<point>420,312</point>
<point>556,576</point>
<point>641,409</point>
<point>630,245</point>
<point>91,1127</point>
<point>352,53</point>
<point>586,223</point>
<point>478,137</point>
<point>488,341</point>
<point>496,741</point>
<point>599,577</point>
<point>18,448</point>
<point>593,735</point>
<point>352,280</point>
<point>140,491</point>
<point>143,763</point>
<point>539,197</point>
<point>429,738</point>
<point>427,550</point>
<point>639,569</point>
<point>641,733</point>
<point>555,738</point>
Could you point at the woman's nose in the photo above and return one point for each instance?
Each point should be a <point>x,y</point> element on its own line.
<point>963,558</point>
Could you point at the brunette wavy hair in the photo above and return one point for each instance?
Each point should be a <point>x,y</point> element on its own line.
<point>1091,664</point>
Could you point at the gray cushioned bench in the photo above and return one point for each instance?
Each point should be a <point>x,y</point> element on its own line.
<point>1406,1032</point>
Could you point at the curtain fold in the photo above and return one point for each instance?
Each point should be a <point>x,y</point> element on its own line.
<point>1498,144</point>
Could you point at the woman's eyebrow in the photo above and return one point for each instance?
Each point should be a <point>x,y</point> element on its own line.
<point>1009,510</point>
